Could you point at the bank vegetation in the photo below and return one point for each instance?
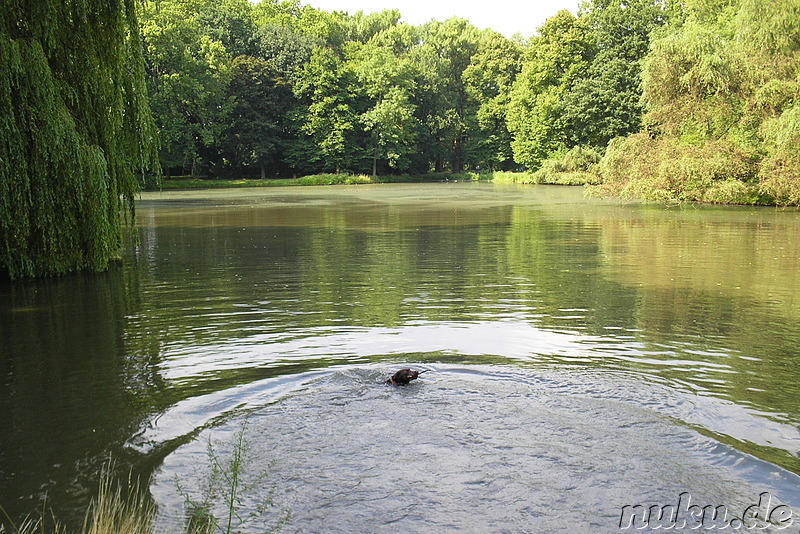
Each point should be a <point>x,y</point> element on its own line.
<point>660,100</point>
<point>664,101</point>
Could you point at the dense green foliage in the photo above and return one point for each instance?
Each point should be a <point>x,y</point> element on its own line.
<point>685,101</point>
<point>75,129</point>
<point>279,88</point>
<point>690,100</point>
<point>579,84</point>
<point>556,59</point>
<point>721,88</point>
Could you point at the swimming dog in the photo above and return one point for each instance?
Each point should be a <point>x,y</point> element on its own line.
<point>404,376</point>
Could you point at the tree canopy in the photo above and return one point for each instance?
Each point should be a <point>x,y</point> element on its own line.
<point>722,100</point>
<point>75,131</point>
<point>367,93</point>
<point>691,100</point>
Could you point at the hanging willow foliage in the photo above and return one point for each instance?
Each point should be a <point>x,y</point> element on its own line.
<point>75,132</point>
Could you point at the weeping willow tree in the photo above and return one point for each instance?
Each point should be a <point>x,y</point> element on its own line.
<point>75,132</point>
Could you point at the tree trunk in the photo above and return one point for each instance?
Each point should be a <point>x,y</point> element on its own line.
<point>458,155</point>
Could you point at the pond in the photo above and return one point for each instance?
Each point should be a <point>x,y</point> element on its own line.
<point>583,356</point>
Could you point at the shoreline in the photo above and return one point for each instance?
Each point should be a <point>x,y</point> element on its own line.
<point>497,177</point>
<point>187,183</point>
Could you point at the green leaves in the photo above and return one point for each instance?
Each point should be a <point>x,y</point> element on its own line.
<point>721,85</point>
<point>255,133</point>
<point>580,81</point>
<point>389,81</point>
<point>553,62</point>
<point>188,73</point>
<point>75,133</point>
<point>444,106</point>
<point>488,80</point>
<point>330,120</point>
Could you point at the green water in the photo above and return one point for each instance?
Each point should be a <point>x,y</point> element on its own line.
<point>225,290</point>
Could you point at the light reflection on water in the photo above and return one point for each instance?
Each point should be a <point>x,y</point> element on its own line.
<point>585,352</point>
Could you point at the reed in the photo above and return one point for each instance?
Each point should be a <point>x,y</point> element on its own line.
<point>111,511</point>
<point>233,476</point>
<point>118,512</point>
<point>122,507</point>
<point>30,525</point>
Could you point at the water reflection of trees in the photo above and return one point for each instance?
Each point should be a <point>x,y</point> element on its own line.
<point>72,390</point>
<point>709,285</point>
<point>702,298</point>
<point>725,283</point>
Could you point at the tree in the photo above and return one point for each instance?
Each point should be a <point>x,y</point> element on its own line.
<point>606,103</point>
<point>442,99</point>
<point>256,128</point>
<point>231,23</point>
<point>284,13</point>
<point>721,88</point>
<point>388,80</point>
<point>329,122</point>
<point>286,50</point>
<point>553,62</point>
<point>188,73</point>
<point>489,79</point>
<point>74,132</point>
<point>364,27</point>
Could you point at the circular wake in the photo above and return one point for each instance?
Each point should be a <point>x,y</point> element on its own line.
<point>465,449</point>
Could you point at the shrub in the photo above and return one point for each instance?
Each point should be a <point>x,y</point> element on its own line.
<point>665,170</point>
<point>578,166</point>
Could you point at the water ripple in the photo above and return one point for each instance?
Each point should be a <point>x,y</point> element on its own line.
<point>539,450</point>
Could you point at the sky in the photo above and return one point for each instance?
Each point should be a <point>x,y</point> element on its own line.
<point>505,16</point>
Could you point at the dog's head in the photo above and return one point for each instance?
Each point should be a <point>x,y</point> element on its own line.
<point>404,376</point>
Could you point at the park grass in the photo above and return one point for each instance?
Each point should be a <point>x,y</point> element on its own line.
<point>545,175</point>
<point>188,182</point>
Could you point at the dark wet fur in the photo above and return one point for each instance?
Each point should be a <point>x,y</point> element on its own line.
<point>403,377</point>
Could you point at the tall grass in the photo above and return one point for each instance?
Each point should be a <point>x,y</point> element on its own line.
<point>188,182</point>
<point>32,526</point>
<point>112,511</point>
<point>230,479</point>
<point>121,507</point>
<point>577,166</point>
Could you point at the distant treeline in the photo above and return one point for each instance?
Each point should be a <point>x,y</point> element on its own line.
<point>691,100</point>
<point>668,100</point>
<point>279,88</point>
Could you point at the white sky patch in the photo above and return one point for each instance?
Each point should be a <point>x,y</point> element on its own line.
<point>508,17</point>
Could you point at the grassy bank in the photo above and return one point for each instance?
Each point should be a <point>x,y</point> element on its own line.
<point>545,176</point>
<point>188,182</point>
<point>577,166</point>
<point>122,506</point>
